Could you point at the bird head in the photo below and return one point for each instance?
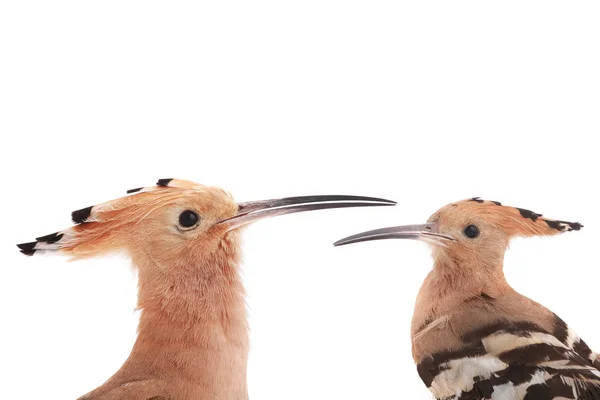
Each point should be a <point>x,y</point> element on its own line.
<point>174,221</point>
<point>471,230</point>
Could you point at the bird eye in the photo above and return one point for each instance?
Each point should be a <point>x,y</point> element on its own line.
<point>188,219</point>
<point>471,231</point>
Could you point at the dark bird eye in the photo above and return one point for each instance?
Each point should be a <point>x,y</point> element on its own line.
<point>472,231</point>
<point>188,218</point>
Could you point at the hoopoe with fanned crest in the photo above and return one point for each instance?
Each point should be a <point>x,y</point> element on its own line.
<point>183,239</point>
<point>473,336</point>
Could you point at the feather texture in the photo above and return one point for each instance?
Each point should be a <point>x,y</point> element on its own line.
<point>506,359</point>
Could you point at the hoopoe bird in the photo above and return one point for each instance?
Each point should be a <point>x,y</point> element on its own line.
<point>473,336</point>
<point>183,239</point>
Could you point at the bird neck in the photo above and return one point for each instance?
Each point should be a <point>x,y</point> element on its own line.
<point>194,315</point>
<point>453,281</point>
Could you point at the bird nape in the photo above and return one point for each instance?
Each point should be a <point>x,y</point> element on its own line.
<point>473,336</point>
<point>183,239</point>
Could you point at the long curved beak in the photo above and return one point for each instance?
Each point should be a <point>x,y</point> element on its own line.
<point>425,232</point>
<point>254,210</point>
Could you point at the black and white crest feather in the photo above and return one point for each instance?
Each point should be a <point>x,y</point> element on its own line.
<point>97,214</point>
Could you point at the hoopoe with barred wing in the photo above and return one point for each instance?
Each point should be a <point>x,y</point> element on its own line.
<point>183,239</point>
<point>473,336</point>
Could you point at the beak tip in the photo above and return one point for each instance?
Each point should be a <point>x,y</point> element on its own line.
<point>340,242</point>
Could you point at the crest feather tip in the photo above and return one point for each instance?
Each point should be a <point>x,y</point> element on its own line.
<point>81,216</point>
<point>27,246</point>
<point>164,182</point>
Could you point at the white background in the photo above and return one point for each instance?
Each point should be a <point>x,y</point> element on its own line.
<point>421,102</point>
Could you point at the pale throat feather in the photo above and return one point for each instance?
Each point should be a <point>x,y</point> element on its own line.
<point>453,281</point>
<point>196,313</point>
<point>204,292</point>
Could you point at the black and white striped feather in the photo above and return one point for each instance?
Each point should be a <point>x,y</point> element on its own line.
<point>509,361</point>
